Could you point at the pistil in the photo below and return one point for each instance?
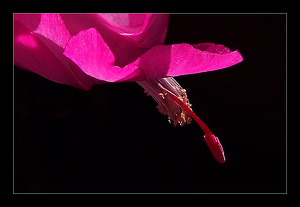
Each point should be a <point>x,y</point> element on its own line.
<point>211,140</point>
<point>172,101</point>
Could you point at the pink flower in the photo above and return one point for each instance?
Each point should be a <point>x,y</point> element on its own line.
<point>81,50</point>
<point>85,49</point>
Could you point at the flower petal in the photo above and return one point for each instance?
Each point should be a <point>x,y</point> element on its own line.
<point>144,30</point>
<point>124,22</point>
<point>125,50</point>
<point>32,54</point>
<point>182,59</point>
<point>90,52</point>
<point>41,26</point>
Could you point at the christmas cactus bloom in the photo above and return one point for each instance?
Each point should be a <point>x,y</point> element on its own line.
<point>82,50</point>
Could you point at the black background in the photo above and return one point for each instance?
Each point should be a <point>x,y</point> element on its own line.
<point>113,139</point>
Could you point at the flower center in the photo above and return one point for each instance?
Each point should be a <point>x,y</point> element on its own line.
<point>172,101</point>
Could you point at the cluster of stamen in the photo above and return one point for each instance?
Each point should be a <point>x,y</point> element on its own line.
<point>167,105</point>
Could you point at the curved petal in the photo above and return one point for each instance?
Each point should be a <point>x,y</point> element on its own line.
<point>90,52</point>
<point>145,30</point>
<point>50,29</point>
<point>182,59</point>
<point>32,54</point>
<point>125,51</point>
<point>124,23</point>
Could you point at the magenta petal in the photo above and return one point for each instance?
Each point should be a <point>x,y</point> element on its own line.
<point>41,26</point>
<point>89,51</point>
<point>144,30</point>
<point>182,59</point>
<point>32,54</point>
<point>124,23</point>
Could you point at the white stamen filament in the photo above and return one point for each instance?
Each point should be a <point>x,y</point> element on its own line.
<point>166,105</point>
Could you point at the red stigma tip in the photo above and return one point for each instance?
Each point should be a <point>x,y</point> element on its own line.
<point>215,147</point>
